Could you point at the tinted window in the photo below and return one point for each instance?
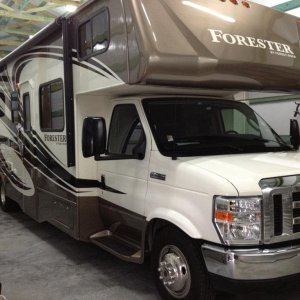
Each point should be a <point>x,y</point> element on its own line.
<point>85,39</point>
<point>191,127</point>
<point>126,132</point>
<point>52,106</point>
<point>94,35</point>
<point>26,108</point>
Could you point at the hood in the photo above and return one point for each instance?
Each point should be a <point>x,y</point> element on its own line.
<point>245,171</point>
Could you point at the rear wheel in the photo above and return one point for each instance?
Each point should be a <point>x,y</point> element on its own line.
<point>7,204</point>
<point>178,267</point>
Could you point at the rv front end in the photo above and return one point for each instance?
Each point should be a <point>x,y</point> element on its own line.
<point>260,235</point>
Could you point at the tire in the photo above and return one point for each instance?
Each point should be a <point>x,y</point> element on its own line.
<point>7,204</point>
<point>178,267</point>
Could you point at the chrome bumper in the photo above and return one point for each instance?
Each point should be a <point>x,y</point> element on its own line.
<point>252,264</point>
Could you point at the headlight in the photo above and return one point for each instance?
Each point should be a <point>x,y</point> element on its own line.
<point>238,219</point>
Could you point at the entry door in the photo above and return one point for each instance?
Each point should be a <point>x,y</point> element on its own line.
<point>26,144</point>
<point>124,181</point>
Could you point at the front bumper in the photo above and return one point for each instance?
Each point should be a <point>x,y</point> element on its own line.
<point>252,264</point>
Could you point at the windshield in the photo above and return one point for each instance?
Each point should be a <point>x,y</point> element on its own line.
<point>190,127</point>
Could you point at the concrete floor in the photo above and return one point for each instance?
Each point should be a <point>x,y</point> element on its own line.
<point>38,262</point>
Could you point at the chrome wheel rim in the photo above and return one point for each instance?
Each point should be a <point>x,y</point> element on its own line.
<point>174,272</point>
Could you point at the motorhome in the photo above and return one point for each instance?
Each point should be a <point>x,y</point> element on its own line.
<point>119,126</point>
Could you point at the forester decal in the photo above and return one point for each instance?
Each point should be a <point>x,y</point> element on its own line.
<point>218,36</point>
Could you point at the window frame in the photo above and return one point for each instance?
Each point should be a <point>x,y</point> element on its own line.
<point>40,106</point>
<point>81,58</point>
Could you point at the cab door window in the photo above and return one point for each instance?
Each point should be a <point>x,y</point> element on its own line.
<point>126,135</point>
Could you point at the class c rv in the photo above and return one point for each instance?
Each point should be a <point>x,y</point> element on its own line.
<point>120,126</point>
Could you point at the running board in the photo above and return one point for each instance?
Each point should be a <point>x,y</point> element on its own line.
<point>117,246</point>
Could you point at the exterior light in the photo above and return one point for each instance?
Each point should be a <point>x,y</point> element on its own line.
<point>246,4</point>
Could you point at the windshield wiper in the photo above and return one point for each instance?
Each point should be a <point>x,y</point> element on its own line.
<point>283,144</point>
<point>204,145</point>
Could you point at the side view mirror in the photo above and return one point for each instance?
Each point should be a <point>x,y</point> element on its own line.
<point>294,134</point>
<point>93,136</point>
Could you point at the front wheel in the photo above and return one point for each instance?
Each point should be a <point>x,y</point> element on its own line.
<point>178,267</point>
<point>7,204</point>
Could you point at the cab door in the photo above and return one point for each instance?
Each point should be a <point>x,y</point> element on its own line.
<point>124,181</point>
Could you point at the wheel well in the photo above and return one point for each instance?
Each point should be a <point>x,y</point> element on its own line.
<point>154,226</point>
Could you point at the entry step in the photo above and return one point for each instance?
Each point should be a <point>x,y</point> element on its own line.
<point>117,246</point>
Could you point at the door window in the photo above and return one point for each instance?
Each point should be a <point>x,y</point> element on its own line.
<point>126,132</point>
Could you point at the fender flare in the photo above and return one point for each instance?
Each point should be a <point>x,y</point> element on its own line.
<point>177,219</point>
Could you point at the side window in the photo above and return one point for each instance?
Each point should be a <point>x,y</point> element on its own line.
<point>93,35</point>
<point>126,134</point>
<point>52,106</point>
<point>27,114</point>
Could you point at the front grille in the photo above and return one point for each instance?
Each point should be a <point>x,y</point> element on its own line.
<point>296,228</point>
<point>281,209</point>
<point>296,196</point>
<point>296,212</point>
<point>278,215</point>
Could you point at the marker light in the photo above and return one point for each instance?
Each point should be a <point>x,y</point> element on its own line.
<point>246,4</point>
<point>238,219</point>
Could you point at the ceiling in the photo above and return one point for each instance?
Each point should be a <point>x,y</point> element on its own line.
<point>20,19</point>
<point>289,6</point>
